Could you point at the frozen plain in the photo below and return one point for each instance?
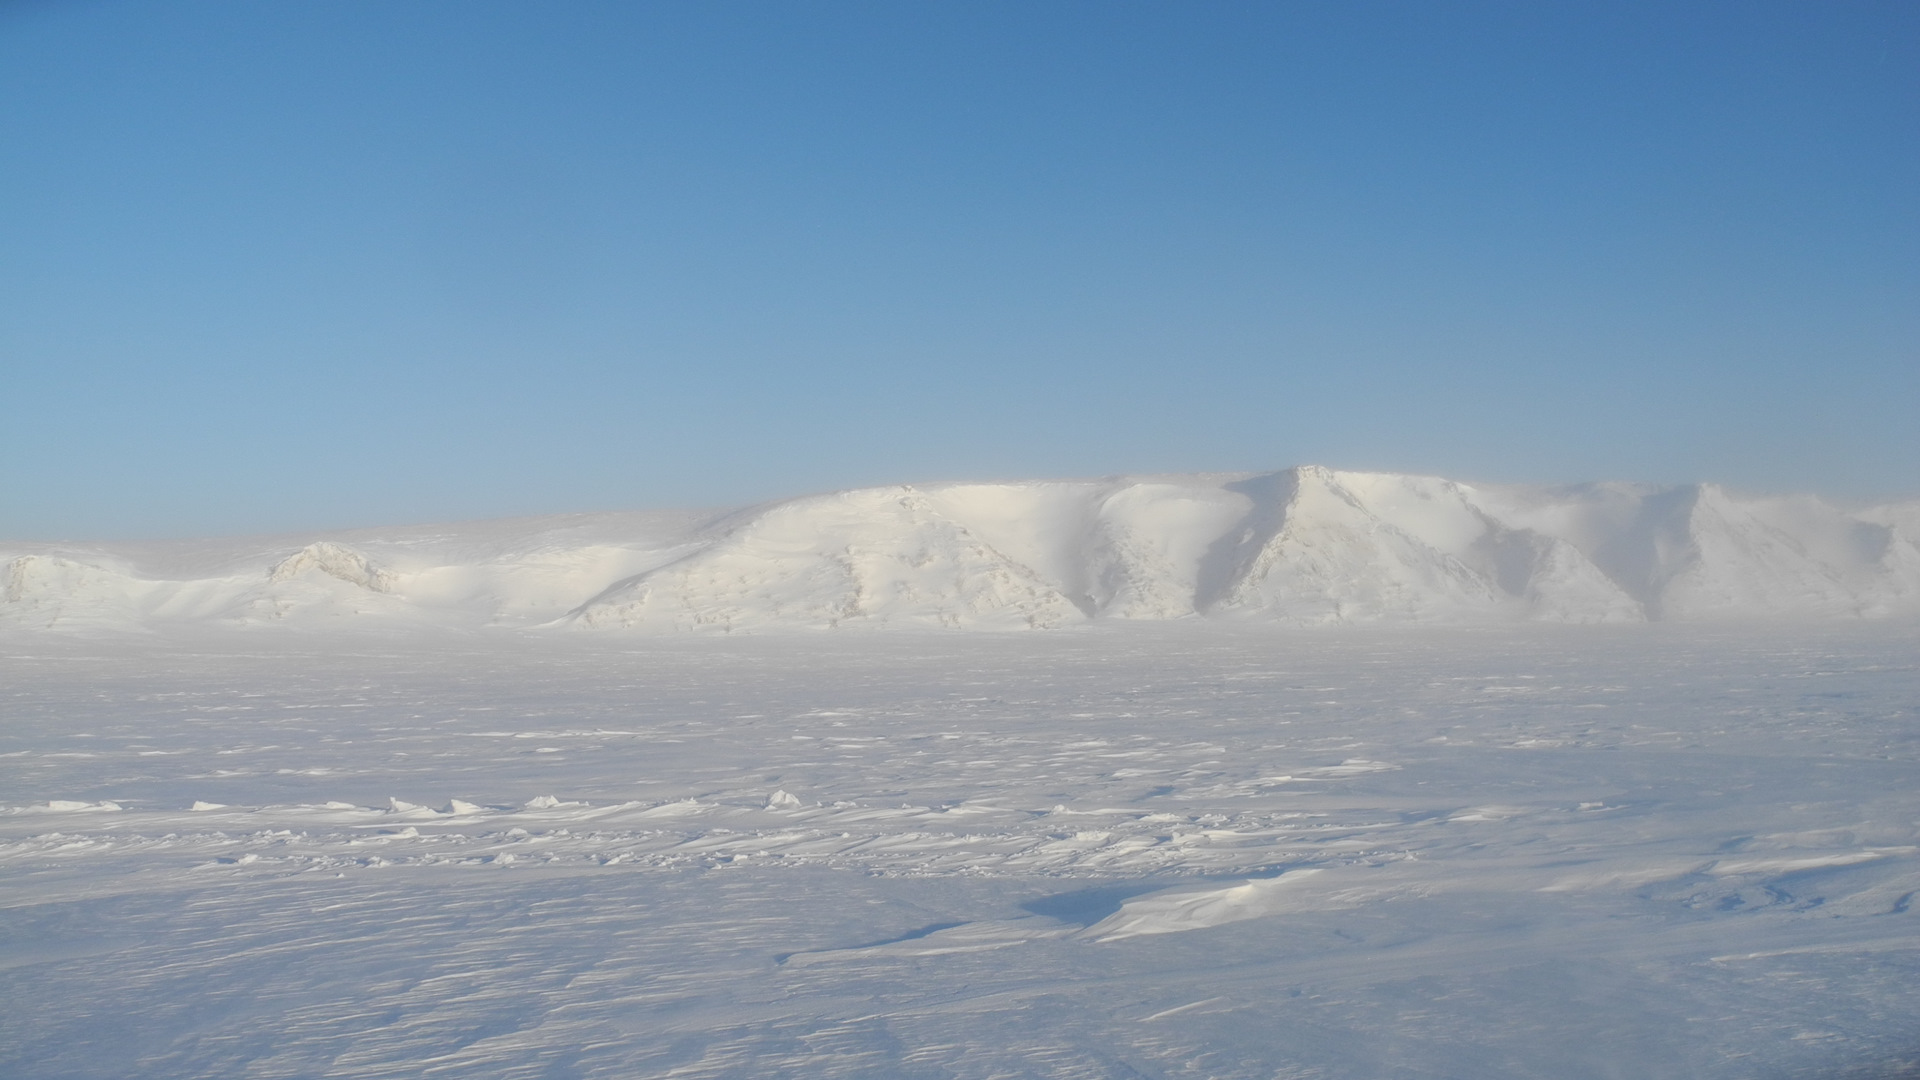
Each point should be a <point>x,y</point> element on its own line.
<point>1304,774</point>
<point>1112,851</point>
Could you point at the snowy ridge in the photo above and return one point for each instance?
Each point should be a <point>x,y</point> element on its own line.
<point>1308,545</point>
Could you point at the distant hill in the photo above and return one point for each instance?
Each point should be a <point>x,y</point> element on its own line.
<point>1308,545</point>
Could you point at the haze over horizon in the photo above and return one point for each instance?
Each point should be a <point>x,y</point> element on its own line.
<point>301,266</point>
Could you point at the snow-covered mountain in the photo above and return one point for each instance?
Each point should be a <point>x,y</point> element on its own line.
<point>1308,545</point>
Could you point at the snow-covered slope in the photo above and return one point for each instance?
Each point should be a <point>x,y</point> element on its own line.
<point>514,572</point>
<point>876,556</point>
<point>1306,545</point>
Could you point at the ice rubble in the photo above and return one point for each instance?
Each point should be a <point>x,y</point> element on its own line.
<point>1307,545</point>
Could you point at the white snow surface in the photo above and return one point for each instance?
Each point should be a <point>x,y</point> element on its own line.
<point>1314,775</point>
<point>1308,545</point>
<point>1219,849</point>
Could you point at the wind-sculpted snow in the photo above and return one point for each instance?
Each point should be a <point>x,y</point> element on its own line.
<point>1304,546</point>
<point>1223,851</point>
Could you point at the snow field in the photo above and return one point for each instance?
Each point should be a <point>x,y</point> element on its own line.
<point>1212,850</point>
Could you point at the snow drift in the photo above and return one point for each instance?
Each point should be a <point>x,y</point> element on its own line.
<point>1308,545</point>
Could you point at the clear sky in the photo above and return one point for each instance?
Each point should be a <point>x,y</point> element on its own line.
<point>275,266</point>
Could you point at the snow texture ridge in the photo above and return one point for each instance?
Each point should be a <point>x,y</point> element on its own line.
<point>1304,546</point>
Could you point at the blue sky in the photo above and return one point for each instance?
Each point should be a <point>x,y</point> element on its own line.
<point>295,265</point>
